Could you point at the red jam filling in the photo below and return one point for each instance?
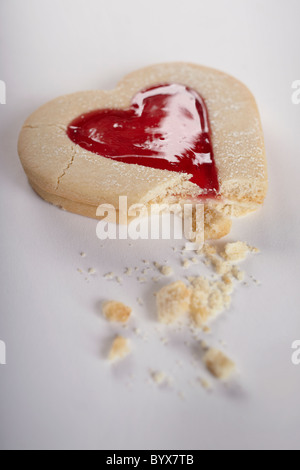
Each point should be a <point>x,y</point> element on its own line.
<point>167,127</point>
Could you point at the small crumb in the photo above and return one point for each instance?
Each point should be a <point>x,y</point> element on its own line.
<point>145,261</point>
<point>166,271</point>
<point>204,345</point>
<point>156,279</point>
<point>206,329</point>
<point>116,312</point>
<point>205,384</point>
<point>186,263</point>
<point>109,276</point>
<point>142,280</point>
<point>218,364</point>
<point>238,274</point>
<point>119,280</point>
<point>140,301</point>
<point>92,271</point>
<point>159,377</point>
<point>195,261</point>
<point>157,265</point>
<point>83,255</point>
<point>128,271</point>
<point>120,349</point>
<point>79,271</point>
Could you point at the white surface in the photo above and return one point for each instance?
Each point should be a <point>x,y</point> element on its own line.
<point>56,390</point>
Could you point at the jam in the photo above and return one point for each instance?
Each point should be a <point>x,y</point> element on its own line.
<point>166,127</point>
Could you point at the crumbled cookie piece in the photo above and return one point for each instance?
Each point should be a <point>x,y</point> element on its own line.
<point>238,274</point>
<point>218,364</point>
<point>186,263</point>
<point>120,349</point>
<point>166,271</point>
<point>206,384</point>
<point>116,312</point>
<point>208,299</point>
<point>237,251</point>
<point>109,276</point>
<point>173,302</point>
<point>159,377</point>
<point>216,225</point>
<point>92,271</point>
<point>128,271</point>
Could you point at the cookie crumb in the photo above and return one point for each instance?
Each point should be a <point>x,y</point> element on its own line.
<point>238,274</point>
<point>116,312</point>
<point>92,271</point>
<point>206,384</point>
<point>166,271</point>
<point>109,276</point>
<point>186,263</point>
<point>159,377</point>
<point>83,255</point>
<point>219,365</point>
<point>119,349</point>
<point>128,271</point>
<point>236,251</point>
<point>173,302</point>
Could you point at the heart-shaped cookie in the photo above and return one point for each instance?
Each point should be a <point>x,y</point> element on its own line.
<point>197,132</point>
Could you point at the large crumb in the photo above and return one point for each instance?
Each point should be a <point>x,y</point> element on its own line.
<point>173,302</point>
<point>116,312</point>
<point>208,299</point>
<point>219,365</point>
<point>237,251</point>
<point>120,349</point>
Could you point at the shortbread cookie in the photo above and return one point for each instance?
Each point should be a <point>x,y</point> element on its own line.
<point>167,134</point>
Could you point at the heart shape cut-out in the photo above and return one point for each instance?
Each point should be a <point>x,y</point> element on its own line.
<point>167,127</point>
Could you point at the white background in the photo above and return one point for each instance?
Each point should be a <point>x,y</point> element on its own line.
<point>57,390</point>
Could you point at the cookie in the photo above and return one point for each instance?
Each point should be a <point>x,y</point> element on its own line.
<point>166,134</point>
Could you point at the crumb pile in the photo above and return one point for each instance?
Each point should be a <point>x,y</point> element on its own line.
<point>198,301</point>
